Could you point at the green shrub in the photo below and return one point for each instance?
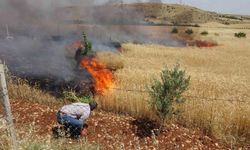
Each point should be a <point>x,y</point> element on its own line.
<point>87,44</point>
<point>240,35</point>
<point>168,91</point>
<point>204,33</point>
<point>174,30</point>
<point>196,25</point>
<point>71,96</point>
<point>189,31</point>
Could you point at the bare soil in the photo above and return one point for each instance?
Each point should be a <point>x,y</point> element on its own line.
<point>112,130</point>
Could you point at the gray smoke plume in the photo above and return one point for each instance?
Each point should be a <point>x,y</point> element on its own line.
<point>42,29</point>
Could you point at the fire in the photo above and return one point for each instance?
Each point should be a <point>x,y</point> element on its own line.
<point>201,44</point>
<point>103,77</point>
<point>205,43</point>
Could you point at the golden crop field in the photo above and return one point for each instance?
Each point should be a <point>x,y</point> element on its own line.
<point>218,98</point>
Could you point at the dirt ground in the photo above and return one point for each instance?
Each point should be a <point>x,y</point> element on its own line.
<point>112,131</point>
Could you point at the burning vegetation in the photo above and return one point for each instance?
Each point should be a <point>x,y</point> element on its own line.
<point>202,44</point>
<point>41,33</point>
<point>57,73</point>
<point>102,76</point>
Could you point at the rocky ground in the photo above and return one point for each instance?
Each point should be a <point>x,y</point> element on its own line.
<point>112,131</point>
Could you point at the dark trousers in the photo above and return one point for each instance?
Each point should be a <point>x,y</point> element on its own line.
<point>72,125</point>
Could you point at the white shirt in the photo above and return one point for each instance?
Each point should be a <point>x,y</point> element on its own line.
<point>79,111</point>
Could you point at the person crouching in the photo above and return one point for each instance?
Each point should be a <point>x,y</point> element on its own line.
<point>73,118</point>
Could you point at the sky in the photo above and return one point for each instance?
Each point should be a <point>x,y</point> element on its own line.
<point>222,6</point>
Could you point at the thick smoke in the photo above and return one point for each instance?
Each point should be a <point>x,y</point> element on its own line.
<point>41,29</point>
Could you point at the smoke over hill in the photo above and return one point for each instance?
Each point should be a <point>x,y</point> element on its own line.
<point>40,31</point>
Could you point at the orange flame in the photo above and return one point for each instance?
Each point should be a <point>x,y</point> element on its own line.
<point>103,77</point>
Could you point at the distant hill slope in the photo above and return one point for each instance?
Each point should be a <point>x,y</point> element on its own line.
<point>181,14</point>
<point>154,13</point>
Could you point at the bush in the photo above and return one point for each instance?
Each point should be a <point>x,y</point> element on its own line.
<point>240,35</point>
<point>174,30</point>
<point>204,33</point>
<point>196,25</point>
<point>87,44</point>
<point>71,96</point>
<point>168,91</point>
<point>189,31</point>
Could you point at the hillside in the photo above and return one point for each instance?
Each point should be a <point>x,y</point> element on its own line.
<point>150,13</point>
<point>183,14</point>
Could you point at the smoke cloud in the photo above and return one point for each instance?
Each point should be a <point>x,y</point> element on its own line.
<point>42,29</point>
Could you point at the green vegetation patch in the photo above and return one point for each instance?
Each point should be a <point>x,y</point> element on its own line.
<point>167,92</point>
<point>189,31</point>
<point>240,35</point>
<point>174,30</point>
<point>204,33</point>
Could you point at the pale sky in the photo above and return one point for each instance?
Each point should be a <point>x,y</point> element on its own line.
<point>224,6</point>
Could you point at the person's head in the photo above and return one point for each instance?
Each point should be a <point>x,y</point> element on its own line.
<point>92,105</point>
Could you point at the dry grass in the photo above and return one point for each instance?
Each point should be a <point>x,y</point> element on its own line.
<point>112,60</point>
<point>221,72</point>
<point>31,141</point>
<point>22,90</point>
<point>27,139</point>
<point>4,142</point>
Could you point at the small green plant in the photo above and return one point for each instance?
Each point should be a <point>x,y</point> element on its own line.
<point>87,44</point>
<point>240,35</point>
<point>174,30</point>
<point>168,91</point>
<point>189,31</point>
<point>74,98</point>
<point>204,33</point>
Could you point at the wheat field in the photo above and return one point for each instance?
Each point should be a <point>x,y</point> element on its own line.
<point>217,101</point>
<point>218,98</point>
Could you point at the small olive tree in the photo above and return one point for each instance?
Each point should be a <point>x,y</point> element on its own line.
<point>174,30</point>
<point>189,31</point>
<point>168,91</point>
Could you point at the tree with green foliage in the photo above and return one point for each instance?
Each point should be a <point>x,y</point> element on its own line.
<point>189,31</point>
<point>168,91</point>
<point>87,44</point>
<point>174,30</point>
